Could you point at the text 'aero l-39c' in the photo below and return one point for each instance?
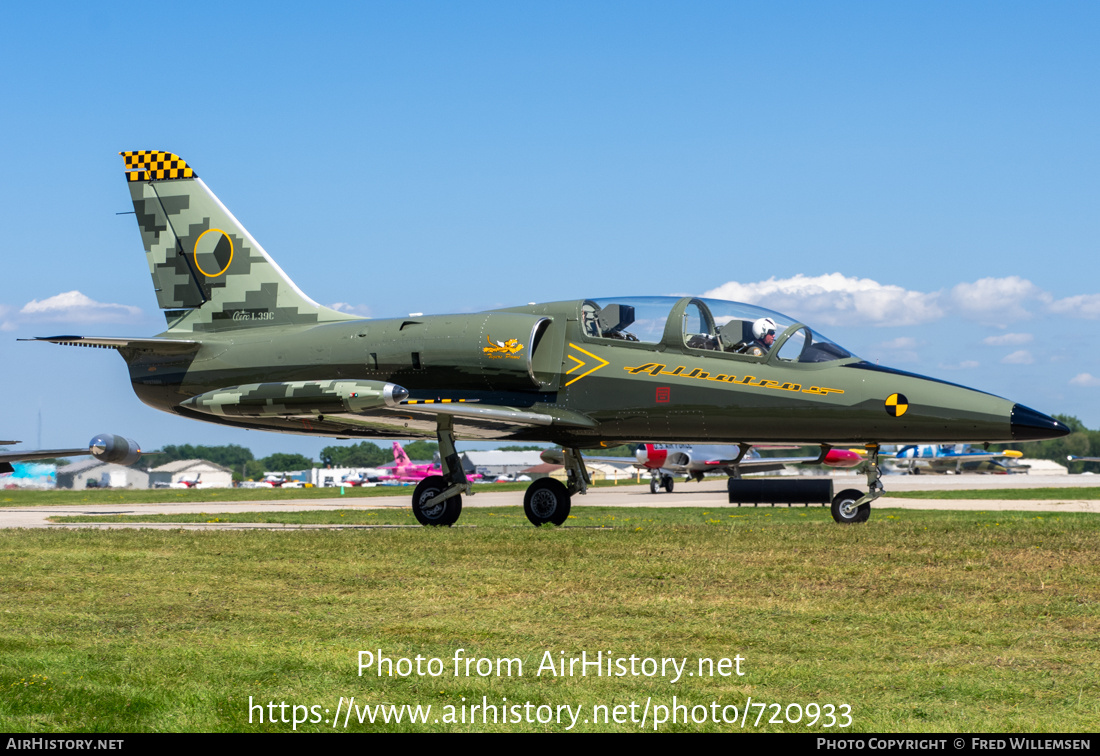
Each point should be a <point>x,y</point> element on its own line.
<point>246,347</point>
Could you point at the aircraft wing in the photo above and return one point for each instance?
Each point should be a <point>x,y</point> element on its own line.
<point>105,447</point>
<point>28,456</point>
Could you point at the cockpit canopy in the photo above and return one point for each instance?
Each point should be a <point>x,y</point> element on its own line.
<point>705,324</point>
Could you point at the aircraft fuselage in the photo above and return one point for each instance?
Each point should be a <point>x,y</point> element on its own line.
<point>630,390</point>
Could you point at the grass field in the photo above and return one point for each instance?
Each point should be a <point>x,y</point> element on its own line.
<point>917,620</point>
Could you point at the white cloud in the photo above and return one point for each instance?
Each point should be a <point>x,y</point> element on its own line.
<point>1019,357</point>
<point>964,365</point>
<point>901,342</point>
<point>361,310</point>
<point>72,305</point>
<point>1080,306</point>
<point>1009,339</point>
<point>995,300</point>
<point>836,299</point>
<point>1084,379</point>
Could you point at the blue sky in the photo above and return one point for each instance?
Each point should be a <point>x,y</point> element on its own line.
<point>920,181</point>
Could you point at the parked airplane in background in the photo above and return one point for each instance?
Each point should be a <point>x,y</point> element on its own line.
<point>105,447</point>
<point>955,458</point>
<point>405,470</point>
<point>281,480</point>
<point>246,347</point>
<point>192,480</point>
<point>365,480</point>
<point>694,461</point>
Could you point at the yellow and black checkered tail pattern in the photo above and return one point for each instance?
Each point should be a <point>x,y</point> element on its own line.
<point>154,165</point>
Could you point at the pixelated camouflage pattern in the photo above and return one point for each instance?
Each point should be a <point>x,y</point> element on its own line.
<point>297,398</point>
<point>222,281</point>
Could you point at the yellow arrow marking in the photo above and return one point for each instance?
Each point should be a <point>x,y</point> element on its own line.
<point>581,364</point>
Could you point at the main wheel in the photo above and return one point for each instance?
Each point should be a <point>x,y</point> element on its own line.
<point>668,483</point>
<point>445,512</point>
<point>654,485</point>
<point>546,500</point>
<point>845,510</point>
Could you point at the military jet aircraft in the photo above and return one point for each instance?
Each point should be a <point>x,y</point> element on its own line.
<point>105,447</point>
<point>694,461</point>
<point>955,458</point>
<point>246,347</point>
<point>405,471</point>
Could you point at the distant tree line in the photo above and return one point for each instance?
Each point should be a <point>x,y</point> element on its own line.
<point>1081,442</point>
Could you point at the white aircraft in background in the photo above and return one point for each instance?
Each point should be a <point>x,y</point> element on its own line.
<point>954,458</point>
<point>105,447</point>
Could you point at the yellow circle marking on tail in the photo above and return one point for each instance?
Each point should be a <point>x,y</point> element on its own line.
<point>196,253</point>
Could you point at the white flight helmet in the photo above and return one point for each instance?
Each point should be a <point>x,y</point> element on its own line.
<point>761,328</point>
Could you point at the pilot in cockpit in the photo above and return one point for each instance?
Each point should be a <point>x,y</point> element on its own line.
<point>763,333</point>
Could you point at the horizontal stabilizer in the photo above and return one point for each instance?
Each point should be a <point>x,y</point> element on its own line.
<point>160,346</point>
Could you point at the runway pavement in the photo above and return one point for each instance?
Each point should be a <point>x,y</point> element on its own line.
<point>710,493</point>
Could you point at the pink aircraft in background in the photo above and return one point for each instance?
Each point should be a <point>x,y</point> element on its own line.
<point>404,470</point>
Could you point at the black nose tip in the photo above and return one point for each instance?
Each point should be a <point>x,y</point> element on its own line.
<point>1029,425</point>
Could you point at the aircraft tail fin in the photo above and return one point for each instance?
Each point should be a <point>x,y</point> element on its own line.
<point>208,271</point>
<point>399,455</point>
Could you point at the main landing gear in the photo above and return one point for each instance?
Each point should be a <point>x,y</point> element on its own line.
<point>548,500</point>
<point>437,499</point>
<point>658,481</point>
<point>850,506</point>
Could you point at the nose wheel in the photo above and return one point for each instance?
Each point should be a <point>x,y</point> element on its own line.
<point>851,506</point>
<point>657,482</point>
<point>847,509</point>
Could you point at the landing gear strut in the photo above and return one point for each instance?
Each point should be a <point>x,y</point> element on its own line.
<point>548,500</point>
<point>437,499</point>
<point>849,506</point>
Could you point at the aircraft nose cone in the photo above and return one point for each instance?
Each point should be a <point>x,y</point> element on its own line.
<point>1029,425</point>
